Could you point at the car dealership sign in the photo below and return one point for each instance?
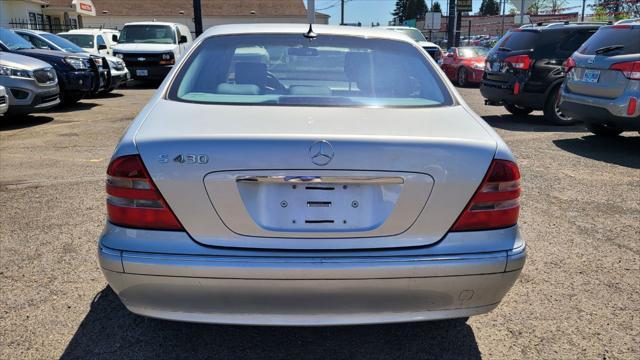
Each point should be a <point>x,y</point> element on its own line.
<point>84,7</point>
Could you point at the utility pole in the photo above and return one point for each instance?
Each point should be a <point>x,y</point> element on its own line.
<point>584,4</point>
<point>341,12</point>
<point>521,12</point>
<point>311,11</point>
<point>451,24</point>
<point>432,20</point>
<point>197,16</point>
<point>469,32</point>
<point>504,2</point>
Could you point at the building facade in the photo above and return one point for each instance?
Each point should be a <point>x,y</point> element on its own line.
<point>48,15</point>
<point>61,15</point>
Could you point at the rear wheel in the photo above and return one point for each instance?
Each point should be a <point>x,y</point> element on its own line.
<point>462,77</point>
<point>604,130</point>
<point>517,109</point>
<point>552,113</point>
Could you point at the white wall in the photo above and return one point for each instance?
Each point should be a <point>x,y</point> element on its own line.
<point>17,10</point>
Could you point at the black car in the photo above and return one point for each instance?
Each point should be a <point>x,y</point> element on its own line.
<point>523,71</point>
<point>78,74</point>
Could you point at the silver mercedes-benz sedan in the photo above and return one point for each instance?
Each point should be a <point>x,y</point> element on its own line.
<point>282,176</point>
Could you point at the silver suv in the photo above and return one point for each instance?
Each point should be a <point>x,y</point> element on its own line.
<point>602,84</point>
<point>32,84</point>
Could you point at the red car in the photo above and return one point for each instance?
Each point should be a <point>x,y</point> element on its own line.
<point>465,65</point>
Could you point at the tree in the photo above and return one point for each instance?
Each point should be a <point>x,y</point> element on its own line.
<point>400,10</point>
<point>409,9</point>
<point>436,7</point>
<point>618,9</point>
<point>415,9</point>
<point>536,7</point>
<point>489,7</point>
<point>555,6</point>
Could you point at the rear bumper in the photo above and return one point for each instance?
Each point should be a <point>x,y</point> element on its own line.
<point>312,290</point>
<point>499,93</point>
<point>600,111</point>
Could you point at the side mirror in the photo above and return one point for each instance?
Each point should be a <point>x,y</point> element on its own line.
<point>102,47</point>
<point>114,38</point>
<point>183,39</point>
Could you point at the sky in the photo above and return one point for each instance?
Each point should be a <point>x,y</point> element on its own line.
<point>367,11</point>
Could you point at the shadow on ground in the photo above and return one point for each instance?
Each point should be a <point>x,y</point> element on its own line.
<point>619,150</point>
<point>109,95</point>
<point>15,122</point>
<point>84,104</point>
<point>529,123</point>
<point>109,331</point>
<point>138,84</point>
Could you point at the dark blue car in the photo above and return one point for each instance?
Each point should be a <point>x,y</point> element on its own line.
<point>78,74</point>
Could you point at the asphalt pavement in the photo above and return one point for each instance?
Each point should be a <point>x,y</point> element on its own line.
<point>578,296</point>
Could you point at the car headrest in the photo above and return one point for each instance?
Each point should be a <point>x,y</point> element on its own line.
<point>306,90</point>
<point>251,73</point>
<point>356,64</point>
<point>238,89</point>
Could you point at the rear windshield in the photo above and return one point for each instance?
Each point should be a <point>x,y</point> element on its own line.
<point>518,40</point>
<point>625,40</point>
<point>415,34</point>
<point>288,69</point>
<point>472,52</point>
<point>84,41</point>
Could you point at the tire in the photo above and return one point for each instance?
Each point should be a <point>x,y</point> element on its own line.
<point>70,97</point>
<point>518,110</point>
<point>552,113</point>
<point>462,77</point>
<point>604,130</point>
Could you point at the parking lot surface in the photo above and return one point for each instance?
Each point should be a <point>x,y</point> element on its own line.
<point>578,296</point>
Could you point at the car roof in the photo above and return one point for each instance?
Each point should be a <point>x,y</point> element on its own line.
<point>153,23</point>
<point>559,26</point>
<point>30,31</point>
<point>88,31</point>
<point>238,29</point>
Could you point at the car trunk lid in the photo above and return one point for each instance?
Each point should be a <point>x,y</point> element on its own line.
<point>244,176</point>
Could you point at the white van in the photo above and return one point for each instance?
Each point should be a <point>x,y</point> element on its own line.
<point>150,49</point>
<point>97,41</point>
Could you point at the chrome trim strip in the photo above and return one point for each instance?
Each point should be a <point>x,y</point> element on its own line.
<point>322,179</point>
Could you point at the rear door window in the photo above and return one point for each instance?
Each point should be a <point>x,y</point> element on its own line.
<point>518,40</point>
<point>572,41</point>
<point>628,38</point>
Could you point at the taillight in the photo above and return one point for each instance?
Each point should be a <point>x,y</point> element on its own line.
<point>496,202</point>
<point>569,64</point>
<point>132,198</point>
<point>631,106</point>
<point>630,69</point>
<point>520,62</point>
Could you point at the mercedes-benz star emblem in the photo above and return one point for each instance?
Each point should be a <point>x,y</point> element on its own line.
<point>321,152</point>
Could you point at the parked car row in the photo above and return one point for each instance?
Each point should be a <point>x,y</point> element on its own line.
<point>41,70</point>
<point>84,62</point>
<point>571,71</point>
